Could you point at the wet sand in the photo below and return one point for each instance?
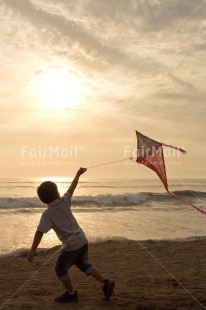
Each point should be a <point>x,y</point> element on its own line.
<point>148,275</point>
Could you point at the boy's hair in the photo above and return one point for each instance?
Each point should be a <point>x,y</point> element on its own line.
<point>48,192</point>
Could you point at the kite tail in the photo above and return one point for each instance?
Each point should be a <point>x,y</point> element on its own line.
<point>188,203</point>
<point>175,147</point>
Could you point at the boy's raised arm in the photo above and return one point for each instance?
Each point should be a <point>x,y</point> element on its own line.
<point>76,180</point>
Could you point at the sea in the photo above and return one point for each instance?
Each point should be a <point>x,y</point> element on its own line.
<point>114,209</point>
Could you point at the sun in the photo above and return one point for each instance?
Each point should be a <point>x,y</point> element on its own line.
<point>58,89</point>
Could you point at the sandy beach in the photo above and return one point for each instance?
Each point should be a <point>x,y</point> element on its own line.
<point>148,275</point>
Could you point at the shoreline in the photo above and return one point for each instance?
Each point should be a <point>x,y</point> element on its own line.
<point>22,252</point>
<point>148,274</point>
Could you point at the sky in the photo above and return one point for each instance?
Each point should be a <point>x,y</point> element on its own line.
<point>78,77</point>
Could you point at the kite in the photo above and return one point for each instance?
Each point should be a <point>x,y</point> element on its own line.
<point>150,154</point>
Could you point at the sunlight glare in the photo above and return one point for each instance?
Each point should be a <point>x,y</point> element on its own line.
<point>58,89</point>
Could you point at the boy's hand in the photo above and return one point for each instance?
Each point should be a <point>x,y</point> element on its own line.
<point>30,255</point>
<point>81,171</point>
<point>76,180</point>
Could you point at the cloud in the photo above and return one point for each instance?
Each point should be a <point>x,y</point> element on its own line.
<point>141,63</point>
<point>159,15</point>
<point>82,40</point>
<point>38,72</point>
<point>199,47</point>
<point>179,81</point>
<point>41,19</point>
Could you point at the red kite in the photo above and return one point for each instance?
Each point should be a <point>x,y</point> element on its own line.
<point>150,154</point>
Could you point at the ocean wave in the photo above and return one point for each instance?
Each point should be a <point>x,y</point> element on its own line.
<point>190,193</point>
<point>101,201</point>
<point>98,201</point>
<point>22,252</point>
<point>112,200</point>
<point>16,203</point>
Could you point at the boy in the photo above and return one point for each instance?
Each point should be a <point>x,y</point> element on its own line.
<point>59,217</point>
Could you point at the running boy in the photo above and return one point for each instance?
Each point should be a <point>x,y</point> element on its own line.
<point>58,216</point>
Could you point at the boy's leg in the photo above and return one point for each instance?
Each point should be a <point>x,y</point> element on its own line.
<point>67,284</point>
<point>96,275</point>
<point>83,264</point>
<point>65,260</point>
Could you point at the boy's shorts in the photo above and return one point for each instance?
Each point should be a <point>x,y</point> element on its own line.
<point>78,258</point>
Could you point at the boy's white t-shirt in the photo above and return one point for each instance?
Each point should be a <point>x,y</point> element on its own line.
<point>59,217</point>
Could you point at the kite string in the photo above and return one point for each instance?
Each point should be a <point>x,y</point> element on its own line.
<point>108,163</point>
<point>116,161</point>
